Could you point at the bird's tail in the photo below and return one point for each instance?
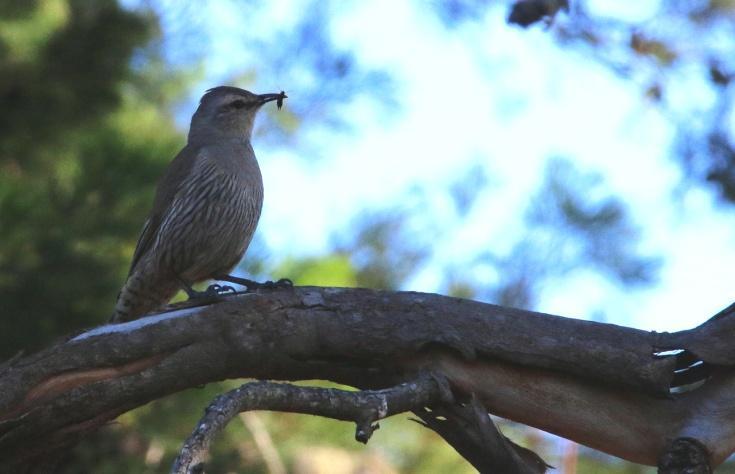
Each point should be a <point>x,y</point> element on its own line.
<point>140,296</point>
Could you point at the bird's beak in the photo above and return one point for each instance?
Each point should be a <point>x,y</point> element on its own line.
<point>264,98</point>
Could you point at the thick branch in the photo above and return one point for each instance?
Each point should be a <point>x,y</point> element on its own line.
<point>595,383</point>
<point>684,456</point>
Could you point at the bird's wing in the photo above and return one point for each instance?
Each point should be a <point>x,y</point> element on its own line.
<point>144,241</point>
<point>168,187</point>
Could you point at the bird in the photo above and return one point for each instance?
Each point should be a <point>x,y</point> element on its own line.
<point>206,208</point>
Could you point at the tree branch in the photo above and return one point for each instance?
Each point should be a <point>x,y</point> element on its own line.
<point>602,385</point>
<point>364,408</point>
<point>469,429</point>
<point>684,456</point>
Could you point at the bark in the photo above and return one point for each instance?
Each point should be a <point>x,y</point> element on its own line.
<point>603,385</point>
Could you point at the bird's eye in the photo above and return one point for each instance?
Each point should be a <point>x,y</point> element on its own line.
<point>238,104</point>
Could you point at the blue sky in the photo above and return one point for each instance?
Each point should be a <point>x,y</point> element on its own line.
<point>489,95</point>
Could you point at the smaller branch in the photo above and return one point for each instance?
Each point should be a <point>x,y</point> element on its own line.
<point>471,432</point>
<point>363,407</point>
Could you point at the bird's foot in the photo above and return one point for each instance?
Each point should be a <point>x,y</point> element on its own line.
<point>253,285</point>
<point>213,292</point>
<point>219,290</point>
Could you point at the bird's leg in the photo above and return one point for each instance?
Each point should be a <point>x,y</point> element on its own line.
<point>212,291</point>
<point>252,285</point>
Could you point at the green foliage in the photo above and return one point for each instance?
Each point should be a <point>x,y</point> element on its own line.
<point>329,270</point>
<point>80,148</point>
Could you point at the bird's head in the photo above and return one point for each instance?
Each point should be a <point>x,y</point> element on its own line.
<point>228,112</point>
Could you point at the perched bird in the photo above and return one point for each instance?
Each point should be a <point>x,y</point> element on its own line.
<point>206,208</point>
